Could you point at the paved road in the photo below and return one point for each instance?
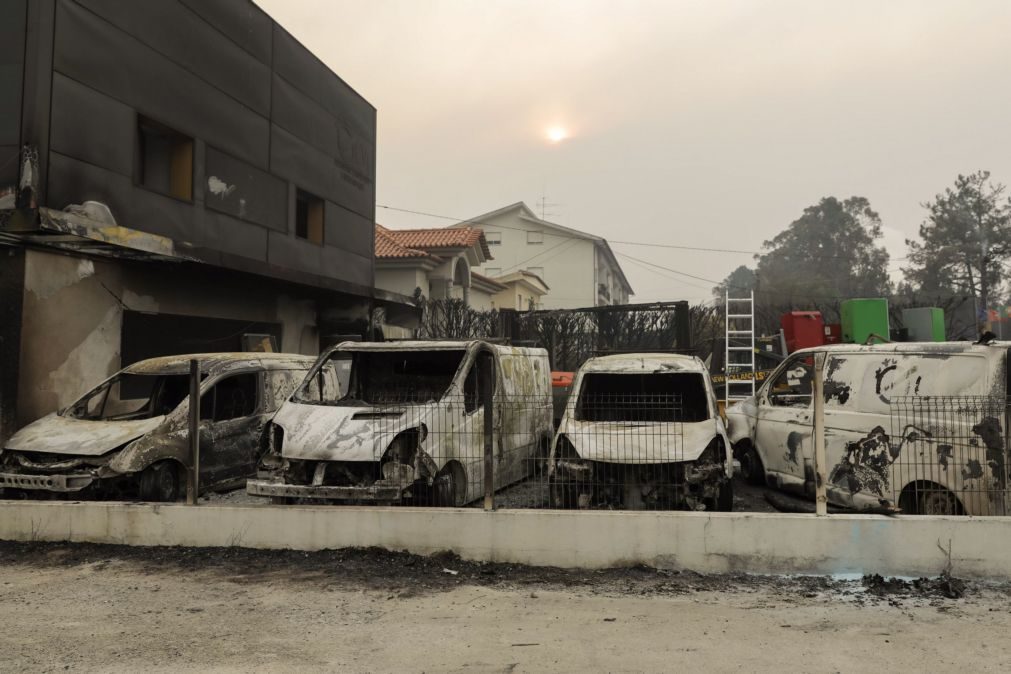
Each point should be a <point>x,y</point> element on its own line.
<point>92,608</point>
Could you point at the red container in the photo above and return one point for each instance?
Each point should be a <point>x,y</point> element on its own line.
<point>803,329</point>
<point>833,333</point>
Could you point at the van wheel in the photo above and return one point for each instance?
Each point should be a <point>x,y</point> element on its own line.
<point>445,489</point>
<point>752,469</point>
<point>725,497</point>
<point>160,482</point>
<point>928,498</point>
<point>563,495</point>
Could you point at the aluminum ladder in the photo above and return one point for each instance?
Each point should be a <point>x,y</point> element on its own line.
<point>739,341</point>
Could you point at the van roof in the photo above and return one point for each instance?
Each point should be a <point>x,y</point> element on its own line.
<point>911,347</point>
<point>435,345</point>
<point>211,363</point>
<point>643,362</point>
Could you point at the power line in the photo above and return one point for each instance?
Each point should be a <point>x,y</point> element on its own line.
<point>675,246</point>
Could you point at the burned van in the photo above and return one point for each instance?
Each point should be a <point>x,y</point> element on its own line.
<point>919,428</point>
<point>641,431</point>
<point>129,436</point>
<point>403,422</point>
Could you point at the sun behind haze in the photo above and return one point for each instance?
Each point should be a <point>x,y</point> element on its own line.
<point>707,124</point>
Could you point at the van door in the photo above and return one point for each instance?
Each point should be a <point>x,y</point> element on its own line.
<point>469,424</point>
<point>783,432</point>
<point>231,424</point>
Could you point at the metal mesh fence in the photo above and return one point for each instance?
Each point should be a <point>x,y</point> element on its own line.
<point>613,452</point>
<point>949,455</point>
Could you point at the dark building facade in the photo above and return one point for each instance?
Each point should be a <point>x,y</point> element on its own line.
<point>175,176</point>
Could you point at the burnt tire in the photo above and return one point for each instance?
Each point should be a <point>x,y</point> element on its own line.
<point>927,498</point>
<point>752,469</point>
<point>444,490</point>
<point>563,495</point>
<point>160,482</point>
<point>725,497</point>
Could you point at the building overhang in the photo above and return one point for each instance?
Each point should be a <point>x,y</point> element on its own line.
<point>73,233</point>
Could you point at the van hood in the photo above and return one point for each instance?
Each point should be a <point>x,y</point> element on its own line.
<point>633,442</point>
<point>55,434</point>
<point>342,432</point>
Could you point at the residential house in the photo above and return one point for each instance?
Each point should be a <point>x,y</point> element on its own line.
<point>435,263</point>
<point>175,177</point>
<point>580,268</point>
<point>524,291</point>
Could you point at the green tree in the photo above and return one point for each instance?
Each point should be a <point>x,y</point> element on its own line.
<point>965,242</point>
<point>740,281</point>
<point>827,254</point>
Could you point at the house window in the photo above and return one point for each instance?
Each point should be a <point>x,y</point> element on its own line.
<point>309,217</point>
<point>166,159</point>
<point>535,237</point>
<point>492,272</point>
<point>493,238</point>
<point>537,271</point>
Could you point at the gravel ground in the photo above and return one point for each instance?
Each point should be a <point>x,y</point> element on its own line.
<point>113,608</point>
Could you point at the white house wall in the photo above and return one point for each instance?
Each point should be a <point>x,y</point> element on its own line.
<point>568,262</point>
<point>402,281</point>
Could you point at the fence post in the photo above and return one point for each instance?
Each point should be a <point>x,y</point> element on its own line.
<point>193,475</point>
<point>820,474</point>
<point>487,372</point>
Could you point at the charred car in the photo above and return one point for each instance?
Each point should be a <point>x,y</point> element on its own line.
<point>129,436</point>
<point>919,428</point>
<point>403,422</point>
<point>641,431</point>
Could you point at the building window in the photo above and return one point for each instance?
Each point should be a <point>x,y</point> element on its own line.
<point>492,272</point>
<point>309,217</point>
<point>535,236</point>
<point>537,271</point>
<point>493,238</point>
<point>166,159</point>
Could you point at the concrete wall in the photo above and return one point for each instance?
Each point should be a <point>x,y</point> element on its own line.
<point>73,313</point>
<point>568,262</point>
<point>705,542</point>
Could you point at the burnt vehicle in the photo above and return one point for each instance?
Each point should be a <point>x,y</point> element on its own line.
<point>641,431</point>
<point>129,436</point>
<point>916,427</point>
<point>403,422</point>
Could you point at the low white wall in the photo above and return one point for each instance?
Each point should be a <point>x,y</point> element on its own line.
<point>705,542</point>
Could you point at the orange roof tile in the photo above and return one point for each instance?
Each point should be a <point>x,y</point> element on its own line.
<point>429,239</point>
<point>389,248</point>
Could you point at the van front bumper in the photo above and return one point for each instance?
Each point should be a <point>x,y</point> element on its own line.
<point>54,483</point>
<point>377,493</point>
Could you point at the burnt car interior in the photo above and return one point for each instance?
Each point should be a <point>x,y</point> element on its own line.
<point>231,398</point>
<point>378,377</point>
<point>132,397</point>
<point>792,387</point>
<point>657,397</point>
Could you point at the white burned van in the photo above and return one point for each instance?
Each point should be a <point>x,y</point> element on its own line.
<point>403,422</point>
<point>641,431</point>
<point>919,427</point>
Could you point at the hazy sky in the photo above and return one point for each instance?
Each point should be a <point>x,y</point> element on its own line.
<point>705,123</point>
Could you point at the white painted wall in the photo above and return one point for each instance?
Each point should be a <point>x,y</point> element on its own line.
<point>403,280</point>
<point>571,267</point>
<point>705,542</point>
<point>567,262</point>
